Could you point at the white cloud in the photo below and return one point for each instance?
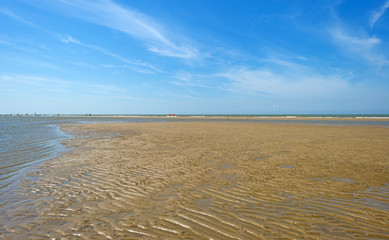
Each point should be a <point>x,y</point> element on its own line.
<point>286,62</point>
<point>187,79</point>
<point>82,64</point>
<point>141,66</point>
<point>131,22</point>
<point>376,15</point>
<point>295,84</point>
<point>22,20</point>
<point>342,37</point>
<point>68,39</point>
<point>277,77</point>
<point>28,62</point>
<point>361,46</point>
<point>174,51</point>
<point>45,84</point>
<point>108,66</point>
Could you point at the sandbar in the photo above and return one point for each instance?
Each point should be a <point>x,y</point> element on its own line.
<point>211,180</point>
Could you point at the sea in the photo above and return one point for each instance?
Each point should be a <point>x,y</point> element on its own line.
<point>28,140</point>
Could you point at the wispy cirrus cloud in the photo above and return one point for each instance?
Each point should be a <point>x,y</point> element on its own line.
<point>187,79</point>
<point>47,84</point>
<point>133,23</point>
<point>341,36</point>
<point>266,81</point>
<point>275,77</point>
<point>28,62</point>
<point>362,46</point>
<point>11,14</point>
<point>136,65</point>
<point>148,67</point>
<point>70,39</point>
<point>377,14</point>
<point>83,64</point>
<point>358,43</point>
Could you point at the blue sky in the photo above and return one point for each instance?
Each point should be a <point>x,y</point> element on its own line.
<point>214,57</point>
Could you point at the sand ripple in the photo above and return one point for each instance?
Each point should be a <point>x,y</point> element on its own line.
<point>159,181</point>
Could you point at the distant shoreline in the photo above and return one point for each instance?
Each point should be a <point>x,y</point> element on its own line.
<point>352,117</point>
<point>291,117</point>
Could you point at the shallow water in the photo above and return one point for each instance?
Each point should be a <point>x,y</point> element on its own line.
<point>24,142</point>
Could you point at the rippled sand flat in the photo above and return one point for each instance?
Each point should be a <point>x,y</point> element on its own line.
<point>208,181</point>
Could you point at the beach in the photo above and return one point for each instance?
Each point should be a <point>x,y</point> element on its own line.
<point>208,180</point>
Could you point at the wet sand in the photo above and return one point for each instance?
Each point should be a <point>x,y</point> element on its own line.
<point>203,180</point>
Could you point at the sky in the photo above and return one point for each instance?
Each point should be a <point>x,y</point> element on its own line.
<point>194,57</point>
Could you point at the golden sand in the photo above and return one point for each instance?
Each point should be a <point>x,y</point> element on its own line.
<point>210,181</point>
